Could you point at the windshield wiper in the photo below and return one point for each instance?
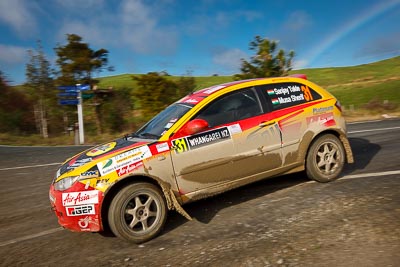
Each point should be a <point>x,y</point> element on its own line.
<point>149,136</point>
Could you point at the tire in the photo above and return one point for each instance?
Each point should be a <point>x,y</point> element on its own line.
<point>325,159</point>
<point>137,213</point>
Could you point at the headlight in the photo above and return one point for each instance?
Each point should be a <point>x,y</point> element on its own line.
<point>65,183</point>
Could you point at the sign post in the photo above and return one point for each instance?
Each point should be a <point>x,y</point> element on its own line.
<point>80,118</point>
<point>74,97</point>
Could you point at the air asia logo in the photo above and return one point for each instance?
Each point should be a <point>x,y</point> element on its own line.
<point>101,149</point>
<point>80,210</point>
<point>80,198</point>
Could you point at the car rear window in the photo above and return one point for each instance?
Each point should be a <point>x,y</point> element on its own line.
<point>284,95</point>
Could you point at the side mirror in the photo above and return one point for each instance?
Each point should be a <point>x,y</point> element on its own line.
<point>194,126</point>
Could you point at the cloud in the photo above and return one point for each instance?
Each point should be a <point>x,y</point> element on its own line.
<point>230,59</point>
<point>13,54</point>
<point>143,32</point>
<point>79,5</point>
<point>17,14</point>
<point>204,22</point>
<point>297,20</point>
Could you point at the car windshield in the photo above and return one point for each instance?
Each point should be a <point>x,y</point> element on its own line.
<point>164,120</point>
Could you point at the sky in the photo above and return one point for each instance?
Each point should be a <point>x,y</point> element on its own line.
<point>202,37</point>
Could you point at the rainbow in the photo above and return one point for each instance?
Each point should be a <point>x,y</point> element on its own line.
<point>345,29</point>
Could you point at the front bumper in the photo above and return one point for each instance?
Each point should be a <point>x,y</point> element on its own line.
<point>78,208</point>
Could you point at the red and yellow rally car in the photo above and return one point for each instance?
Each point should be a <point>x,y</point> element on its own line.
<point>210,141</point>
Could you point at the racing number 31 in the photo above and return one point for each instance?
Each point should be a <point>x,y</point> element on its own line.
<point>180,145</point>
<point>307,94</point>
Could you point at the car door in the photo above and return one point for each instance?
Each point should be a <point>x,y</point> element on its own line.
<point>238,144</point>
<point>290,104</point>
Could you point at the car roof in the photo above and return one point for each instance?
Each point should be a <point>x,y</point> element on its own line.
<point>196,97</point>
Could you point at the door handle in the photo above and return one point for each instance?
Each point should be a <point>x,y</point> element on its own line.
<point>266,123</point>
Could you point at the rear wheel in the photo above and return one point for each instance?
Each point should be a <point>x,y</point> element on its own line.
<point>138,212</point>
<point>325,159</point>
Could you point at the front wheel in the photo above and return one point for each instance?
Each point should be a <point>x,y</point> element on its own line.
<point>138,212</point>
<point>325,159</point>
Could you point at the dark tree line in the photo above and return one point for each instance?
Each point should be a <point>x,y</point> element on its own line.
<point>34,107</point>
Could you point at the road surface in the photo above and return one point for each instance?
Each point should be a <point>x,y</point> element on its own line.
<point>284,221</point>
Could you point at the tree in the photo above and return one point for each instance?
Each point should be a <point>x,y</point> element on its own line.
<point>155,92</point>
<point>185,85</point>
<point>77,61</point>
<point>15,110</point>
<point>267,62</point>
<point>40,83</point>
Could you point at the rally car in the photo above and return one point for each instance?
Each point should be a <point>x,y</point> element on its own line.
<point>210,141</point>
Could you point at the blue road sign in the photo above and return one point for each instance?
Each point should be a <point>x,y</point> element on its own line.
<point>68,101</point>
<point>83,87</point>
<point>74,88</point>
<point>68,88</point>
<point>68,94</point>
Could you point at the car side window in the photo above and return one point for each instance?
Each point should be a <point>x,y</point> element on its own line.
<point>284,95</point>
<point>229,108</point>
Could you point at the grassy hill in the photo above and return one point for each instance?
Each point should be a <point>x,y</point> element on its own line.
<point>357,87</point>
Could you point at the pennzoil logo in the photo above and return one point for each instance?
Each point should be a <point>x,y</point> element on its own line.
<point>101,149</point>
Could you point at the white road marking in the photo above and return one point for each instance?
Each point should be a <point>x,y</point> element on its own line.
<point>372,174</point>
<point>30,166</point>
<point>16,240</point>
<point>374,130</point>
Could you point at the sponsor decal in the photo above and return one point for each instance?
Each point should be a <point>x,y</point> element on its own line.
<point>85,222</point>
<point>162,147</point>
<point>322,110</point>
<point>80,198</point>
<point>124,159</point>
<point>89,174</point>
<point>290,94</point>
<point>191,100</point>
<point>101,149</point>
<point>235,128</point>
<point>79,163</point>
<point>80,210</point>
<point>128,169</point>
<point>201,139</point>
<point>213,89</point>
<point>102,182</point>
<point>169,125</point>
<point>325,119</point>
<point>106,166</point>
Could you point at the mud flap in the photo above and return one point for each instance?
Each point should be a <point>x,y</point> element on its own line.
<point>172,202</point>
<point>347,148</point>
